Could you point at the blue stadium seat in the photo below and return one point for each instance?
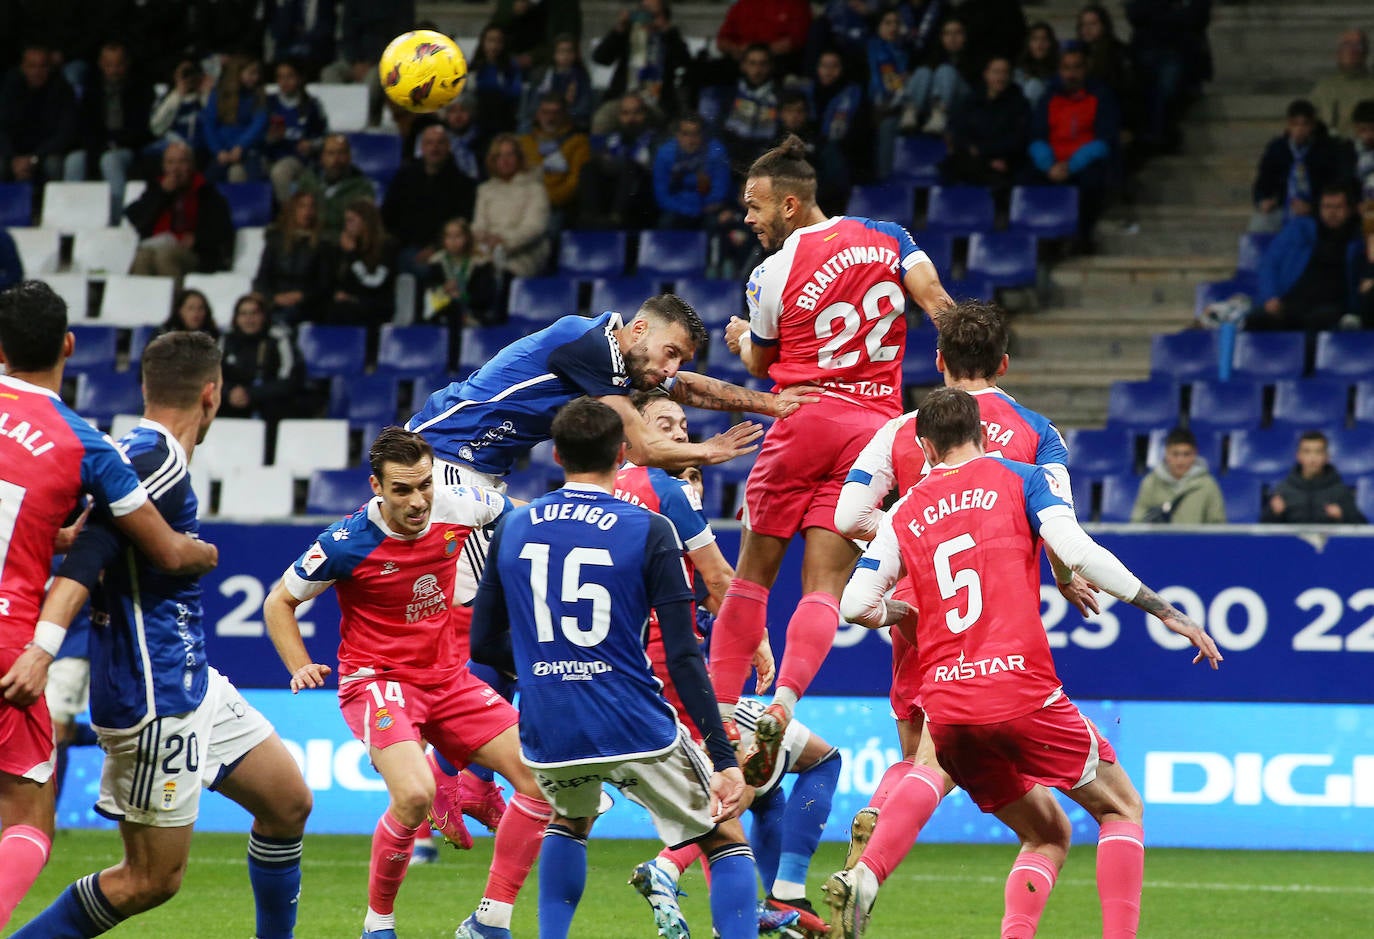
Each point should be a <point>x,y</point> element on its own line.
<point>1082,487</point>
<point>1352,451</point>
<point>337,492</point>
<point>959,210</point>
<point>1044,211</point>
<point>623,294</point>
<point>1267,357</point>
<point>1187,356</point>
<point>713,498</point>
<point>481,343</point>
<point>421,388</point>
<point>377,155</point>
<point>95,349</point>
<point>1142,405</point>
<point>1118,497</point>
<point>412,351</point>
<point>1267,452</point>
<point>542,299</point>
<point>250,204</point>
<point>102,395</point>
<point>1208,447</point>
<point>939,247</point>
<point>714,300</point>
<point>364,400</point>
<point>670,255</point>
<point>916,160</point>
<point>1007,259</point>
<point>332,350</point>
<point>1345,354</point>
<point>889,202</point>
<point>1310,403</point>
<point>1249,251</point>
<point>1225,405</point>
<point>1364,402</point>
<point>591,253</point>
<point>969,288</point>
<point>1101,452</point>
<point>16,205</point>
<point>1215,291</point>
<point>1242,493</point>
<point>139,337</point>
<point>918,365</point>
<point>1364,496</point>
<point>702,424</point>
<point>729,367</point>
<point>526,484</point>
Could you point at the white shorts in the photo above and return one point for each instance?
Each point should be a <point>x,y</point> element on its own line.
<point>473,558</point>
<point>675,788</point>
<point>794,741</point>
<point>461,474</point>
<point>153,773</point>
<point>68,691</point>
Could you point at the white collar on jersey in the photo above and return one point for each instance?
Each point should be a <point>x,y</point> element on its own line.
<point>172,442</point>
<point>585,487</point>
<point>374,515</point>
<point>22,385</point>
<point>990,390</point>
<point>942,466</point>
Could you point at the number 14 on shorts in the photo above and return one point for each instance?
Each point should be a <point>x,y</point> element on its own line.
<point>380,696</point>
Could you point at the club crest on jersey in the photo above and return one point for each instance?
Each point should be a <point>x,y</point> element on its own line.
<point>450,543</point>
<point>314,557</point>
<point>169,794</point>
<point>383,719</point>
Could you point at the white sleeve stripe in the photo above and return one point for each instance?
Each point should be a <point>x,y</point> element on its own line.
<point>707,536</point>
<point>129,503</point>
<point>303,589</point>
<point>916,257</point>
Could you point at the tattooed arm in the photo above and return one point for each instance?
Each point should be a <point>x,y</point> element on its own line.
<point>712,394</point>
<point>1076,549</point>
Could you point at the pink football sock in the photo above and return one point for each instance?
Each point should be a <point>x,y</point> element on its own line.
<point>1029,884</point>
<point>391,845</point>
<point>894,775</point>
<point>518,839</point>
<point>23,852</point>
<point>1120,877</point>
<point>737,632</point>
<point>908,808</point>
<point>810,634</point>
<point>683,857</point>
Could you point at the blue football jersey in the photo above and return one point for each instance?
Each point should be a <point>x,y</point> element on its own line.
<point>508,405</point>
<point>149,661</point>
<point>577,572</point>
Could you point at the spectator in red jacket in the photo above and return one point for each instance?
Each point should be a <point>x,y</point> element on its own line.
<point>182,220</point>
<point>781,25</point>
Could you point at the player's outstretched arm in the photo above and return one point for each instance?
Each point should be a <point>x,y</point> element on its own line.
<point>651,447</point>
<point>756,358</point>
<point>864,600</point>
<point>1064,536</point>
<point>279,613</point>
<point>923,283</point>
<point>712,394</point>
<point>27,678</point>
<point>172,551</point>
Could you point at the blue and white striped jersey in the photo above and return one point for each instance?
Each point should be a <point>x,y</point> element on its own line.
<point>507,406</point>
<point>150,660</point>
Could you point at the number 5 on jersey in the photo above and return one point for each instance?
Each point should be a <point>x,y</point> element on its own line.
<point>573,590</point>
<point>952,581</point>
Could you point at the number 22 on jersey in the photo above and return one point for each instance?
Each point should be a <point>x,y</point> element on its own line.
<point>850,320</point>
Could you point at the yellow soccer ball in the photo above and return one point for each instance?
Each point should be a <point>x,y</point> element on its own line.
<point>423,70</point>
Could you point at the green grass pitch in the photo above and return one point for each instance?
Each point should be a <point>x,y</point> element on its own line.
<point>943,891</point>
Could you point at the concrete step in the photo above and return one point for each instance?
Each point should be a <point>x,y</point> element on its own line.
<point>1158,239</point>
<point>1145,273</point>
<point>1245,137</point>
<point>1242,106</point>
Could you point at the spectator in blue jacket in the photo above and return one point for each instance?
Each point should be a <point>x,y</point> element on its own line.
<point>295,130</point>
<point>303,31</point>
<point>1073,137</point>
<point>11,267</point>
<point>1308,277</point>
<point>495,77</point>
<point>747,116</point>
<point>235,123</point>
<point>616,189</point>
<point>566,77</point>
<point>1295,166</point>
<point>176,116</point>
<point>837,108</point>
<point>691,176</point>
<point>889,69</point>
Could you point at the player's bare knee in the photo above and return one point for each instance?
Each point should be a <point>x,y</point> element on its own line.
<point>288,813</point>
<point>411,799</point>
<point>153,888</point>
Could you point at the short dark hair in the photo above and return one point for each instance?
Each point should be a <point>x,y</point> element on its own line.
<point>33,325</point>
<point>553,97</point>
<point>947,418</point>
<point>758,47</point>
<point>787,168</point>
<point>670,308</point>
<point>642,399</point>
<point>587,436</point>
<point>397,445</point>
<point>1363,112</point>
<point>1335,189</point>
<point>973,339</point>
<point>1314,435</point>
<point>1301,107</point>
<point>1180,435</point>
<point>176,367</point>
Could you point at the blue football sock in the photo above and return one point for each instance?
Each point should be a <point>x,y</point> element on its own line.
<point>562,878</point>
<point>274,870</point>
<point>808,806</point>
<point>765,835</point>
<point>79,913</point>
<point>734,892</point>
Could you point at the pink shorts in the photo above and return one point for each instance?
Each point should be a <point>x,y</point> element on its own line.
<point>996,764</point>
<point>797,478</point>
<point>905,696</point>
<point>26,741</point>
<point>458,716</point>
